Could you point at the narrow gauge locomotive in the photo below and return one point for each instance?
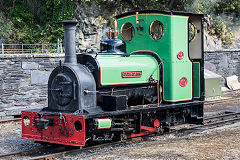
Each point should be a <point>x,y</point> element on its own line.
<point>148,79</point>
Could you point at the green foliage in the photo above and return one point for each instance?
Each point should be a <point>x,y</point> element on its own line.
<point>202,6</point>
<point>222,30</point>
<point>38,21</point>
<point>192,31</point>
<point>224,14</point>
<point>6,29</point>
<point>177,5</point>
<point>228,7</point>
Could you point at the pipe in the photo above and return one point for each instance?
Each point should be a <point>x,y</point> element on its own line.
<point>115,29</point>
<point>69,41</point>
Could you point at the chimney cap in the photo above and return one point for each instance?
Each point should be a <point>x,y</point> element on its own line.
<point>73,21</point>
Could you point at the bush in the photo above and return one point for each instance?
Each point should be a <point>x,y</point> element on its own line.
<point>223,31</point>
<point>37,21</point>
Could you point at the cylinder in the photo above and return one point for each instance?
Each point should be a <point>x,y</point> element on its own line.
<point>69,41</point>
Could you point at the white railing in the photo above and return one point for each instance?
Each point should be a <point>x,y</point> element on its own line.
<point>43,48</point>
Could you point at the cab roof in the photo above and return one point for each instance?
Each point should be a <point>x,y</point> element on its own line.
<point>181,13</point>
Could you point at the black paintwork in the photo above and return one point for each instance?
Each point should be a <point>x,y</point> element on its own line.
<point>149,108</point>
<point>113,46</point>
<point>73,99</point>
<point>67,84</point>
<point>40,123</point>
<point>69,41</point>
<point>202,64</point>
<point>114,102</point>
<point>158,11</point>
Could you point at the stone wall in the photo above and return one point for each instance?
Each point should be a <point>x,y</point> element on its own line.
<point>223,62</point>
<point>23,81</point>
<point>23,77</point>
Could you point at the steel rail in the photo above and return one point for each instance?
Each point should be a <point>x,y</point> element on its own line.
<point>53,152</point>
<point>236,119</point>
<point>215,123</point>
<point>77,151</point>
<point>26,152</point>
<point>222,116</point>
<point>231,117</point>
<point>221,101</point>
<point>9,120</point>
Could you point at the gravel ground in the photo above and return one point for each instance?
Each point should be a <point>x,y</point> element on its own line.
<point>218,143</point>
<point>231,105</point>
<point>10,138</point>
<point>214,109</point>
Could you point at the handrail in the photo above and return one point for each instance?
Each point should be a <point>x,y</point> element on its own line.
<point>44,48</point>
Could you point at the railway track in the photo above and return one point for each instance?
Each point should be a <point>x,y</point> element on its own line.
<point>10,120</point>
<point>35,151</point>
<point>212,121</point>
<point>222,119</point>
<point>51,152</point>
<point>77,151</point>
<point>222,101</point>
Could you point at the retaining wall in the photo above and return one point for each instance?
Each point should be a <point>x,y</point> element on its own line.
<point>23,77</point>
<point>23,81</point>
<point>223,62</point>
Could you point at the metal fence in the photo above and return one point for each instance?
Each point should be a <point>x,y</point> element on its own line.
<point>44,48</point>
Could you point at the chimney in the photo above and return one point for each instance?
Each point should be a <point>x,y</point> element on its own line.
<point>69,41</point>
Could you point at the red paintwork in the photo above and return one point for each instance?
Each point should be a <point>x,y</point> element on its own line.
<point>180,55</point>
<point>156,123</point>
<point>183,82</point>
<point>128,74</point>
<point>53,134</point>
<point>149,130</point>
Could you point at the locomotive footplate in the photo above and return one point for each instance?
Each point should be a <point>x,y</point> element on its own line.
<point>149,108</point>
